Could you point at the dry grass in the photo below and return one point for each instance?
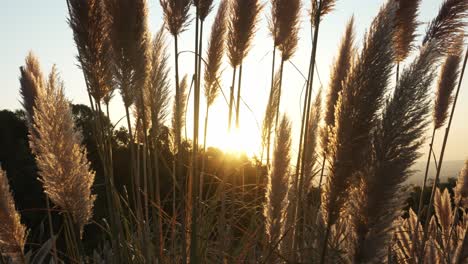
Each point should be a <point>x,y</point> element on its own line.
<point>370,138</point>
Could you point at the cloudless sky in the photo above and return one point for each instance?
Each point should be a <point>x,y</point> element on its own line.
<point>41,26</point>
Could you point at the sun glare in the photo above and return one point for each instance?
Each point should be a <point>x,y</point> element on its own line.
<point>242,140</point>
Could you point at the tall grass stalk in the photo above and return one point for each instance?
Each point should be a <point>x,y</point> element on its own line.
<point>444,144</point>
<point>215,53</point>
<point>176,19</point>
<point>283,27</point>
<point>447,83</point>
<point>203,8</point>
<point>243,18</point>
<point>319,9</point>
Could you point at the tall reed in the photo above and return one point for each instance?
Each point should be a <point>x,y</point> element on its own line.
<point>355,117</point>
<point>203,8</point>
<point>243,18</point>
<point>447,82</point>
<point>443,33</point>
<point>319,9</point>
<point>130,65</point>
<point>284,29</point>
<point>214,57</point>
<point>304,186</point>
<point>444,143</point>
<point>158,94</point>
<point>12,232</point>
<point>176,19</point>
<point>89,22</point>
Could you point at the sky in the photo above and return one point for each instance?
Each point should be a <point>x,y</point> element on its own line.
<point>41,26</point>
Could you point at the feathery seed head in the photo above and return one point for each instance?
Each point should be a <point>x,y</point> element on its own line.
<point>12,232</point>
<point>354,115</point>
<point>130,46</point>
<point>204,8</point>
<point>284,19</point>
<point>405,27</point>
<point>243,16</point>
<point>215,53</point>
<point>278,181</point>
<point>447,82</point>
<point>158,86</point>
<point>319,9</point>
<point>271,110</point>
<point>448,24</point>
<point>461,190</point>
<point>178,111</point>
<point>310,157</point>
<point>63,166</point>
<point>340,70</point>
<point>31,81</point>
<point>90,24</point>
<point>443,209</point>
<point>176,15</point>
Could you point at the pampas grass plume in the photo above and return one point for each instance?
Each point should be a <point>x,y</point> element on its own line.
<point>405,24</point>
<point>215,53</point>
<point>12,232</point>
<point>158,86</point>
<point>130,46</point>
<point>243,16</point>
<point>461,189</point>
<point>31,81</point>
<point>176,15</point>
<point>204,8</point>
<point>448,80</point>
<point>63,166</point>
<point>90,24</point>
<point>278,182</point>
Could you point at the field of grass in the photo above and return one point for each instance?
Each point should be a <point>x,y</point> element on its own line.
<point>148,193</point>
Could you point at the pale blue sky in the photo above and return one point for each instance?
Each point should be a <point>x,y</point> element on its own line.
<point>41,26</point>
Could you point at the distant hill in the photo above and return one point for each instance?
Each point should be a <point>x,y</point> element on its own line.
<point>450,169</point>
